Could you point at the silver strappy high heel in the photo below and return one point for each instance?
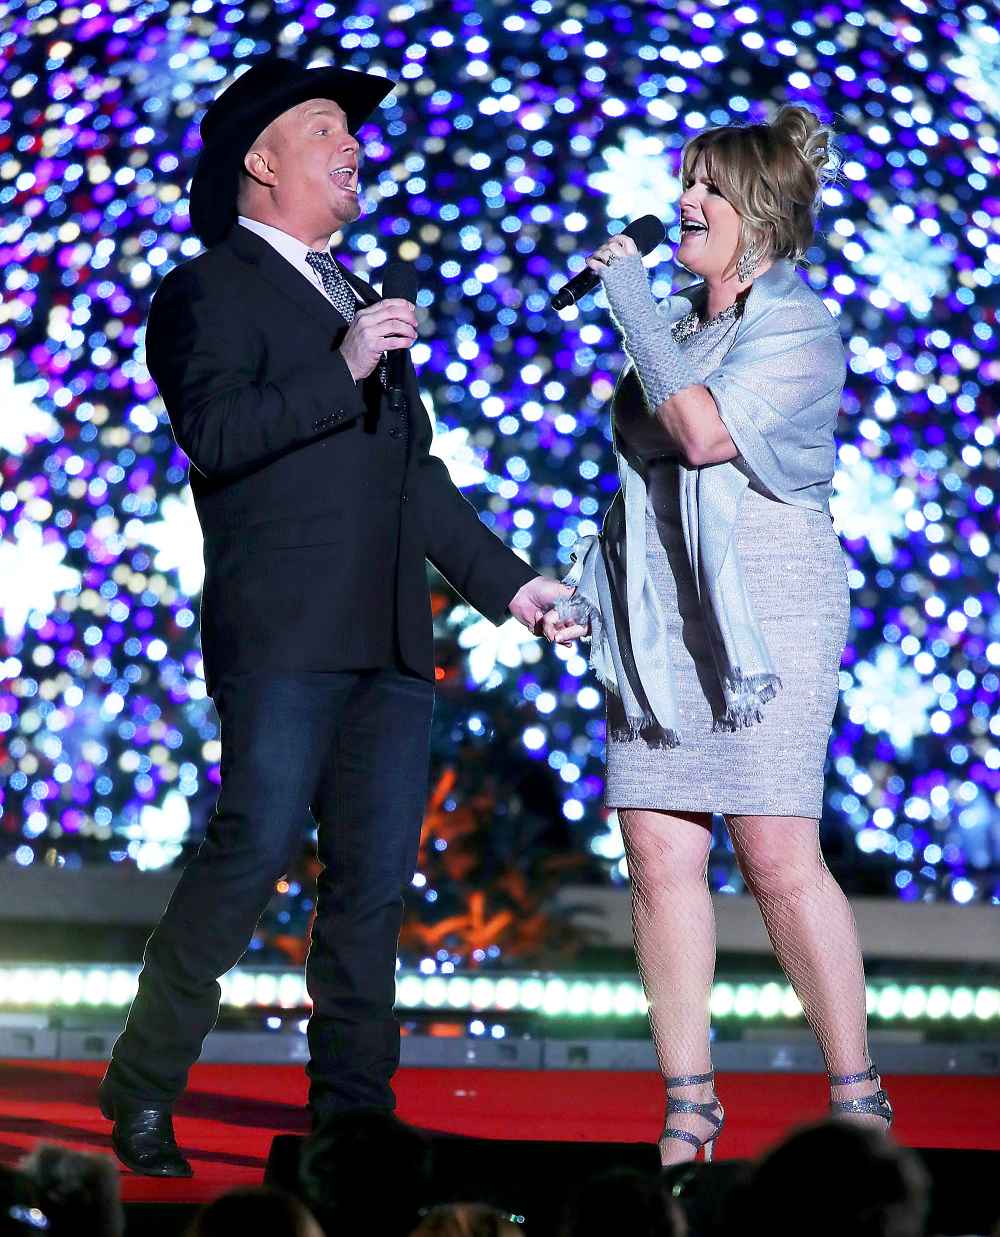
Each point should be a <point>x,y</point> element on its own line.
<point>875,1105</point>
<point>710,1111</point>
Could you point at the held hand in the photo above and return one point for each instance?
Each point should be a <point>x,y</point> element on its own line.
<point>617,247</point>
<point>563,631</point>
<point>533,599</point>
<point>376,329</point>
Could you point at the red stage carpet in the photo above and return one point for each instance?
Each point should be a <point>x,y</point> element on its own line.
<point>230,1113</point>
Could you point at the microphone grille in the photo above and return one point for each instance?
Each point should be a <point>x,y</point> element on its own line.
<point>400,282</point>
<point>647,232</point>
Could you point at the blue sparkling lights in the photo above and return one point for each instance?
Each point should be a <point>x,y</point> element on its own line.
<point>517,137</point>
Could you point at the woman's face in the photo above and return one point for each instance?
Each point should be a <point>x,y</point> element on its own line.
<point>710,227</point>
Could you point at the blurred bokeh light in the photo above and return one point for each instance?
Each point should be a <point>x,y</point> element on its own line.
<point>518,135</point>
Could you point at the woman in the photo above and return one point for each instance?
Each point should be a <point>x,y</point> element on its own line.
<point>717,603</point>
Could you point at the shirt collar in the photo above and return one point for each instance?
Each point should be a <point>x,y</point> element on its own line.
<point>288,246</point>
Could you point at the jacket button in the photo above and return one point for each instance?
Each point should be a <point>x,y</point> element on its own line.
<point>404,498</point>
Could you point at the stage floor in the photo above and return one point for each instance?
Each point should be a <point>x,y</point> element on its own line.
<point>227,1118</point>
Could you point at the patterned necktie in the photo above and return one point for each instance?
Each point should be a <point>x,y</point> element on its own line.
<point>334,283</point>
<point>338,290</point>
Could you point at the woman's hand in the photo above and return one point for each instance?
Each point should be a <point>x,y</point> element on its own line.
<point>620,246</point>
<point>569,619</point>
<point>623,275</point>
<point>563,631</point>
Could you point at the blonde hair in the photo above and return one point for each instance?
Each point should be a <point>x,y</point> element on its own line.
<point>772,175</point>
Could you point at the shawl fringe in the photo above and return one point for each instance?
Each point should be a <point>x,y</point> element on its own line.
<point>646,728</point>
<point>745,696</point>
<point>643,726</point>
<point>580,609</point>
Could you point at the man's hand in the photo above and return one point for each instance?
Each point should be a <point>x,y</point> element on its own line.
<point>376,329</point>
<point>533,599</point>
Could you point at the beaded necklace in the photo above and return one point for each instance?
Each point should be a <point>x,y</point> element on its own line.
<point>691,323</point>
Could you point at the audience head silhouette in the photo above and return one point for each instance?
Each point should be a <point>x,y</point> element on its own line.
<point>622,1200</point>
<point>837,1177</point>
<point>259,1212</point>
<point>467,1220</point>
<point>79,1193</point>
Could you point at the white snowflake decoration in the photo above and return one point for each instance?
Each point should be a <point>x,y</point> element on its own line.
<point>465,463</point>
<point>32,575</point>
<point>869,504</point>
<point>157,837</point>
<point>907,265</point>
<point>889,697</point>
<point>172,68</point>
<point>977,69</point>
<point>177,539</point>
<point>22,421</point>
<point>508,645</point>
<point>638,179</point>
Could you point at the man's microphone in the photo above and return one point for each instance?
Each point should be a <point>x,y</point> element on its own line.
<point>647,232</point>
<point>398,283</point>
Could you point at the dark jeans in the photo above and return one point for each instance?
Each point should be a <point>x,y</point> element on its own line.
<point>352,748</point>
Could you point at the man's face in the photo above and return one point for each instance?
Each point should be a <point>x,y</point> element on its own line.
<point>310,161</point>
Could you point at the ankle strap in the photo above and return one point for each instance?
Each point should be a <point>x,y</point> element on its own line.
<point>845,1080</point>
<point>689,1080</point>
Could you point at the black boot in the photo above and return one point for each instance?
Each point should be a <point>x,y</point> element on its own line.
<point>143,1137</point>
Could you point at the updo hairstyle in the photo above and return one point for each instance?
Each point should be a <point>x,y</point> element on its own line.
<point>772,175</point>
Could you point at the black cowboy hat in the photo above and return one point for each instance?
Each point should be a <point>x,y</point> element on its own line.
<point>244,110</point>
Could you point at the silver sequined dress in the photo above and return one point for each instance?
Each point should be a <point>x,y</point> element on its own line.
<point>796,579</point>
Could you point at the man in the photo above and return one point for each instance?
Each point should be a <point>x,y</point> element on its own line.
<point>319,506</point>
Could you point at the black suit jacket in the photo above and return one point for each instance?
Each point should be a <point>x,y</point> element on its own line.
<point>318,504</point>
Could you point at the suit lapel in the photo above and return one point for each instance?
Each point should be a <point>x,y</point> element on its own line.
<point>283,277</point>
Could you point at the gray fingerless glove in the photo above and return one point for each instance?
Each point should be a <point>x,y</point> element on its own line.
<point>649,342</point>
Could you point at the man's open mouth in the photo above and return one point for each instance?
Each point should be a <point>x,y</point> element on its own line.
<point>345,177</point>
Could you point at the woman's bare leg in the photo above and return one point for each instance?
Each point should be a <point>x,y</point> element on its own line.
<point>673,924</point>
<point>815,938</point>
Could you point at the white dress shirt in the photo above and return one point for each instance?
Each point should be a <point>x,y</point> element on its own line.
<point>291,249</point>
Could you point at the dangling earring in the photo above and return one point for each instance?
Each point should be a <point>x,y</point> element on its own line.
<point>749,261</point>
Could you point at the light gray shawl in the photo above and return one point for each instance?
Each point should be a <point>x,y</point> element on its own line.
<point>778,392</point>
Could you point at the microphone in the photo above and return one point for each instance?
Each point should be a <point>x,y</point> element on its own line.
<point>399,283</point>
<point>647,233</point>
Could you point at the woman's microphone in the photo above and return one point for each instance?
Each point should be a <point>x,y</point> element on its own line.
<point>647,232</point>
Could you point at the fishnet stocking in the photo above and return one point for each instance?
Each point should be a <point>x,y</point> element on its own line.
<point>815,938</point>
<point>673,925</point>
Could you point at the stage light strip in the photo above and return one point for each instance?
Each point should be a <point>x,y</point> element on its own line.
<point>76,987</point>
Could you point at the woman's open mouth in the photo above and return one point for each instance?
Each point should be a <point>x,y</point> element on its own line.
<point>691,227</point>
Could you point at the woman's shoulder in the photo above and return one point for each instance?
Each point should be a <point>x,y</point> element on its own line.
<point>786,297</point>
